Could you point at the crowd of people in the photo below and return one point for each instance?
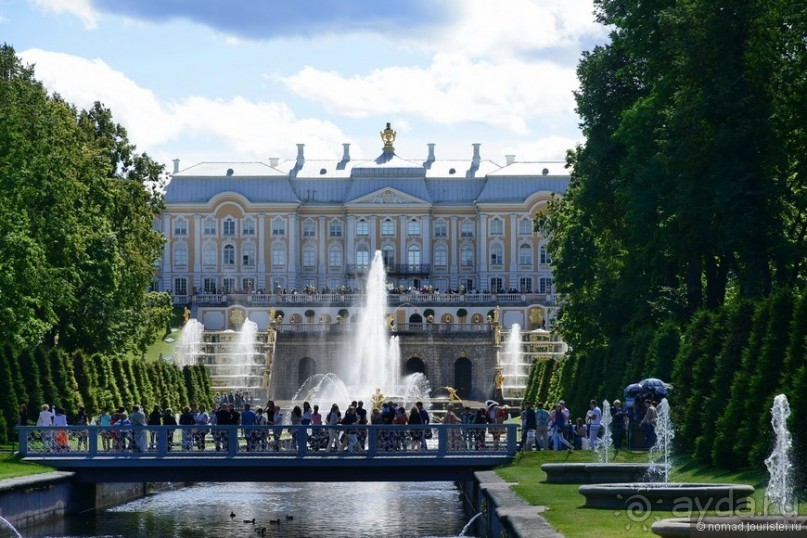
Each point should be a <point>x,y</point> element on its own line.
<point>554,429</point>
<point>328,431</point>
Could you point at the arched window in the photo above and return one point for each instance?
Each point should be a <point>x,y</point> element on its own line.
<point>463,376</point>
<point>388,252</point>
<point>248,226</point>
<point>180,226</point>
<point>441,256</point>
<point>525,227</point>
<point>467,229</point>
<point>362,228</point>
<point>413,256</point>
<point>209,254</point>
<point>525,255</point>
<point>228,227</point>
<point>307,368</point>
<point>279,255</point>
<point>363,256</point>
<point>496,254</point>
<point>467,256</point>
<point>181,254</point>
<point>544,255</point>
<point>413,227</point>
<point>335,257</point>
<point>309,257</point>
<point>388,227</point>
<point>248,255</point>
<point>210,226</point>
<point>279,227</point>
<point>228,255</point>
<point>441,228</point>
<point>496,227</point>
<point>309,228</point>
<point>415,365</point>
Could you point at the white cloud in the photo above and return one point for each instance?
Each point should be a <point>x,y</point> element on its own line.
<point>211,129</point>
<point>81,8</point>
<point>451,90</point>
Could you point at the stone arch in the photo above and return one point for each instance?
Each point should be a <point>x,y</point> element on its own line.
<point>463,376</point>
<point>415,318</point>
<point>305,369</point>
<point>415,365</point>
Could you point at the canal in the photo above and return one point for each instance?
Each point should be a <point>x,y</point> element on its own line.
<point>288,510</point>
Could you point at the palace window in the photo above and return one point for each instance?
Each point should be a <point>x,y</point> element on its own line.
<point>496,255</point>
<point>544,285</point>
<point>335,257</point>
<point>278,227</point>
<point>279,255</point>
<point>180,286</point>
<point>309,257</point>
<point>525,227</point>
<point>335,229</point>
<point>228,255</point>
<point>467,229</point>
<point>525,255</point>
<point>496,285</point>
<point>388,253</point>
<point>441,228</point>
<point>467,257</point>
<point>248,255</point>
<point>248,226</point>
<point>440,256</point>
<point>228,227</point>
<point>525,285</point>
<point>544,253</point>
<point>180,226</point>
<point>228,285</point>
<point>209,285</point>
<point>496,227</point>
<point>413,257</point>
<point>388,227</point>
<point>413,227</point>
<point>362,228</point>
<point>248,285</point>
<point>309,228</point>
<point>209,254</point>
<point>181,255</point>
<point>363,256</point>
<point>210,226</point>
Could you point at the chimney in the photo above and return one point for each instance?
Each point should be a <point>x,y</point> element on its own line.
<point>476,159</point>
<point>176,166</point>
<point>430,158</point>
<point>345,152</point>
<point>273,161</point>
<point>300,155</point>
<point>509,159</point>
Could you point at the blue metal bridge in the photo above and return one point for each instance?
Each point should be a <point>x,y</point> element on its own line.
<point>270,453</point>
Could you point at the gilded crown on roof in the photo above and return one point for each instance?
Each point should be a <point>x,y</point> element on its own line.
<point>388,137</point>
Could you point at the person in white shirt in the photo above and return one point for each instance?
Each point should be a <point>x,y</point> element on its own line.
<point>594,421</point>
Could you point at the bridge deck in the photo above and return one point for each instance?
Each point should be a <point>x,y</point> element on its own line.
<point>269,453</point>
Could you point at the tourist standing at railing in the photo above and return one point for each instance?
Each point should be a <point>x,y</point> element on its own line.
<point>260,420</point>
<point>203,421</point>
<point>296,419</point>
<point>105,420</point>
<point>480,434</point>
<point>467,417</point>
<point>400,436</point>
<point>306,418</point>
<point>424,419</point>
<point>416,433</point>
<point>334,417</point>
<point>155,419</point>
<point>139,422</point>
<point>81,420</point>
<point>45,419</point>
<point>277,432</point>
<point>187,419</point>
<point>249,419</point>
<point>361,413</point>
<point>62,437</point>
<point>455,441</point>
<point>351,419</point>
<point>169,420</point>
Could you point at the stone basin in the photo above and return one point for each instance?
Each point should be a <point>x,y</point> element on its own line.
<point>596,473</point>
<point>675,496</point>
<point>732,526</point>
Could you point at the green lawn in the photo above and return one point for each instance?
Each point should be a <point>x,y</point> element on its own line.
<point>12,467</point>
<point>564,504</point>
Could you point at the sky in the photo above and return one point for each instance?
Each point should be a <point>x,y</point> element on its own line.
<point>247,80</point>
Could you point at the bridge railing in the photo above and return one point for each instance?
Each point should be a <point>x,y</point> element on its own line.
<point>218,441</point>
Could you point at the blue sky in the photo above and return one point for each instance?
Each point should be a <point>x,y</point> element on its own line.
<point>245,80</point>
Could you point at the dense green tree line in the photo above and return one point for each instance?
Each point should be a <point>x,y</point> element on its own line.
<point>77,255</point>
<point>680,244</point>
<point>94,381</point>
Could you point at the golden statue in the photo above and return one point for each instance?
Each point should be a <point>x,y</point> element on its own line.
<point>377,399</point>
<point>452,394</point>
<point>272,315</point>
<point>187,314</point>
<point>388,137</point>
<point>499,378</point>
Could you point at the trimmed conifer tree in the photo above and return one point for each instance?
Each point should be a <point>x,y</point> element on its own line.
<point>31,379</point>
<point>9,405</point>
<point>693,341</point>
<point>49,388</point>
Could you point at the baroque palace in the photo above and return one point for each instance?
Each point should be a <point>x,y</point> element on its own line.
<point>288,244</point>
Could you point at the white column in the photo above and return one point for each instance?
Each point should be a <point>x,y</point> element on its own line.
<point>293,250</point>
<point>167,253</point>
<point>513,252</point>
<point>482,247</point>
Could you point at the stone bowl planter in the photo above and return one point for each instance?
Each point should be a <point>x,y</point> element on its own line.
<point>675,496</point>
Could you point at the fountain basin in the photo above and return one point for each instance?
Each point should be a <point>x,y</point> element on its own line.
<point>673,496</point>
<point>595,473</point>
<point>731,526</point>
